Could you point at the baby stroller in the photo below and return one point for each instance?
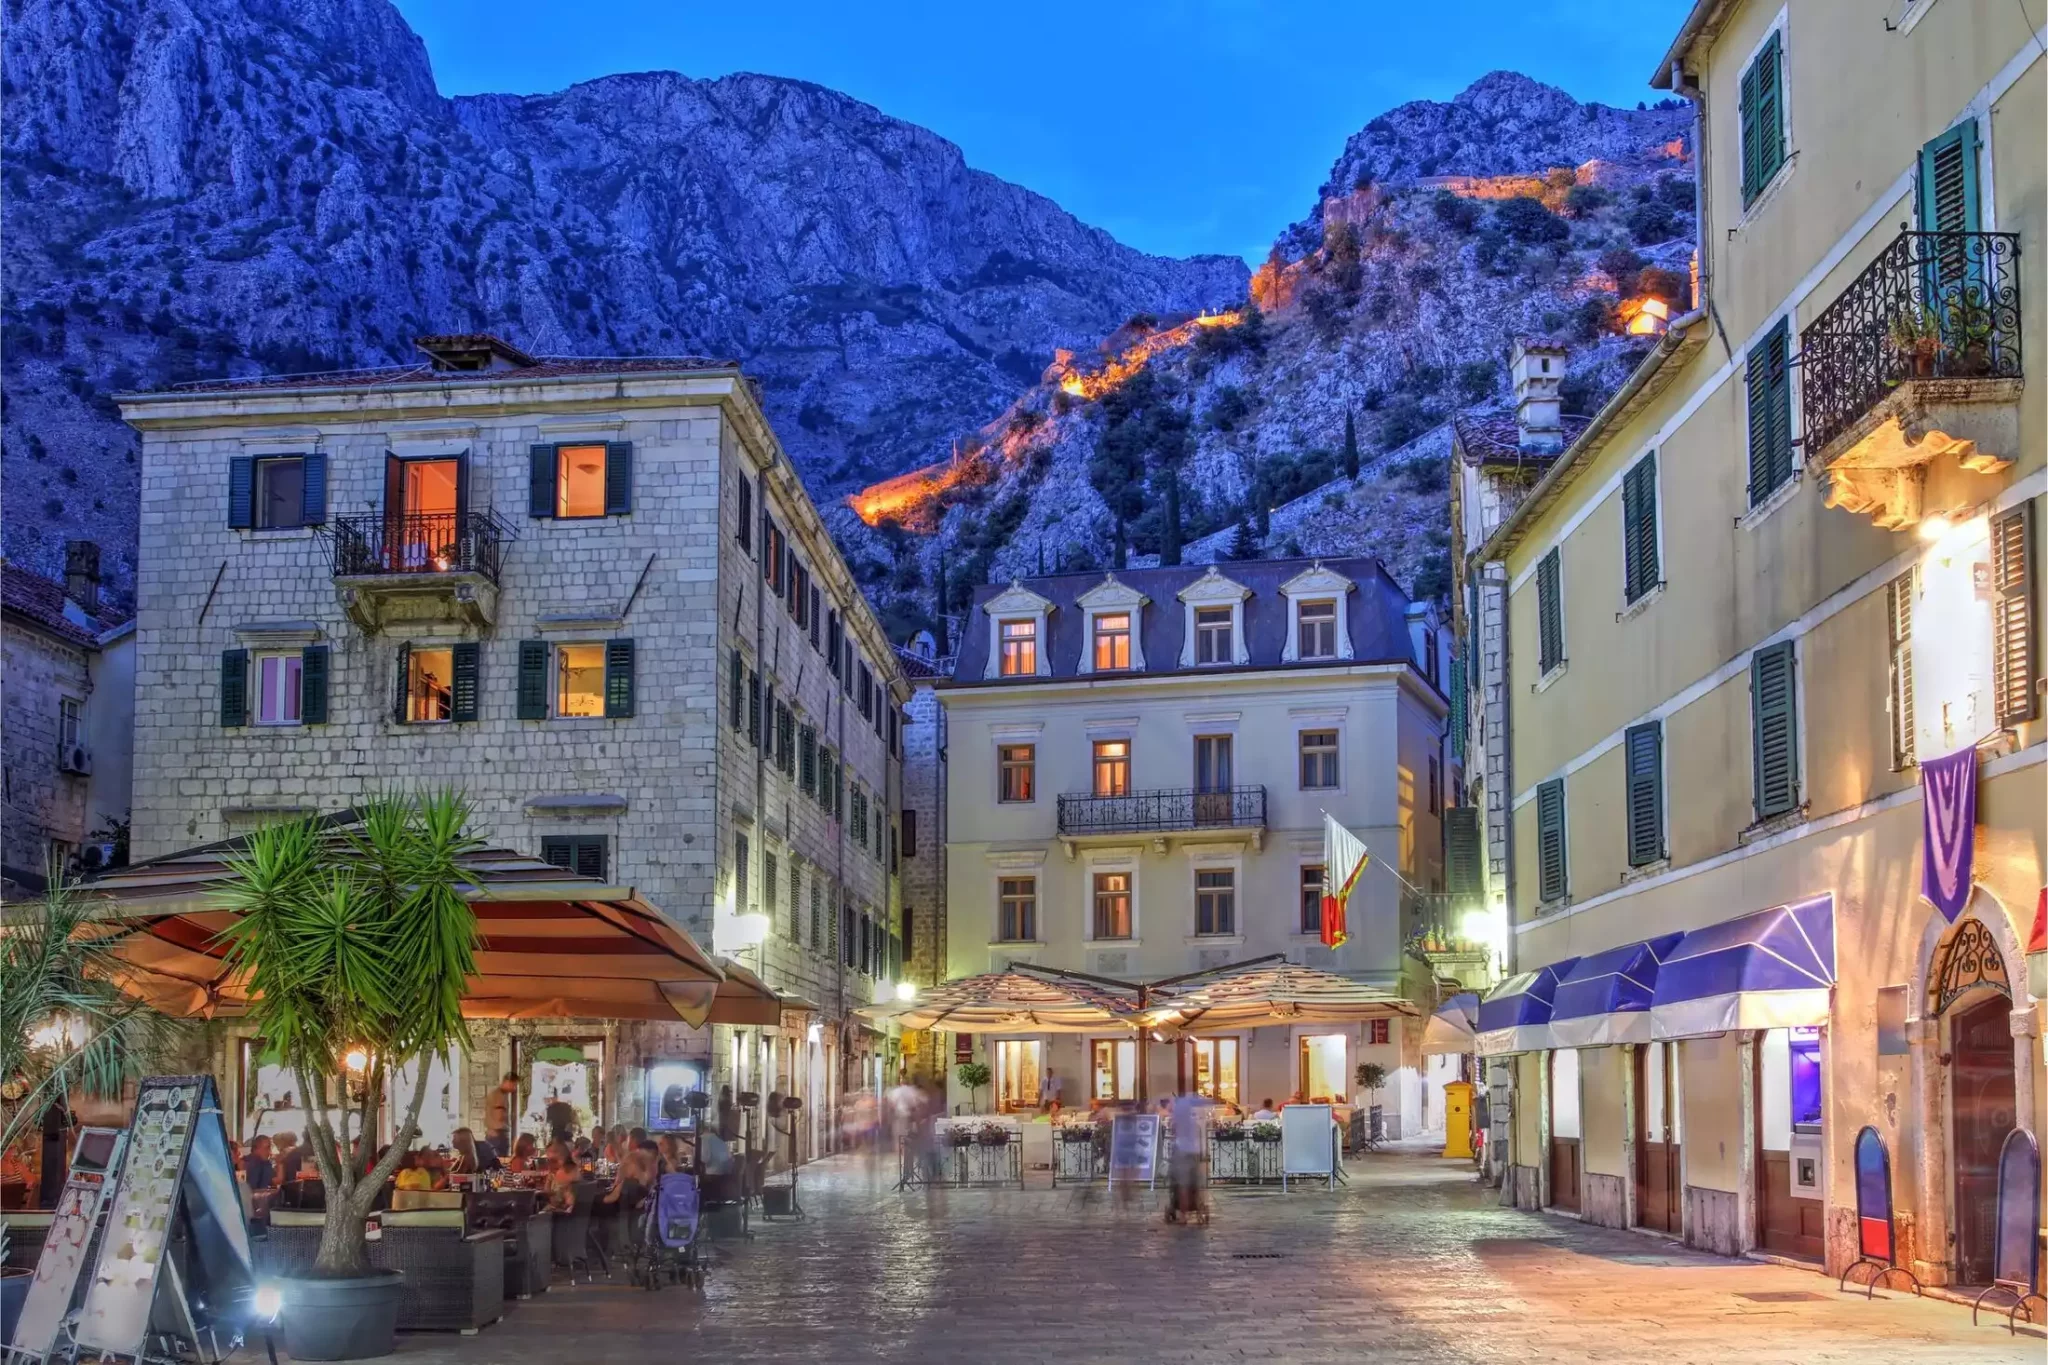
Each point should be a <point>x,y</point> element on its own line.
<point>668,1243</point>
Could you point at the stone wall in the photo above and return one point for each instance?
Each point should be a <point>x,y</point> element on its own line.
<point>43,803</point>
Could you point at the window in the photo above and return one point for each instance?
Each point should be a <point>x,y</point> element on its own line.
<point>774,567</point>
<point>1020,648</point>
<point>278,679</point>
<point>1017,770</point>
<point>1018,1063</point>
<point>1112,641</point>
<point>816,598</point>
<point>754,708</point>
<point>867,693</point>
<point>768,883</point>
<point>579,481</point>
<point>1768,375</point>
<point>1213,764</point>
<point>586,479</point>
<point>1112,767</point>
<point>1549,612</point>
<point>1774,724</point>
<point>1899,625</point>
<point>564,681</point>
<point>1311,921</point>
<point>817,916</point>
<point>579,680</point>
<point>1550,851</point>
<point>1640,568</point>
<point>1763,118</point>
<point>1113,1069</point>
<point>1213,635</point>
<point>738,687</point>
<point>742,861</point>
<point>785,740</point>
<point>1112,905</point>
<point>280,492</point>
<point>69,711</point>
<point>1379,1032</point>
<point>1017,910</point>
<point>860,816</point>
<point>909,823</point>
<point>744,530</point>
<point>430,686</point>
<point>1317,627</point>
<point>1215,900</point>
<point>582,854</point>
<point>2016,694</point>
<point>807,760</point>
<point>1643,748</point>
<point>277,492</point>
<point>1213,1067</point>
<point>1318,760</point>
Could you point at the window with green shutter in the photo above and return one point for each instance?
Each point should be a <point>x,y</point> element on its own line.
<point>1763,118</point>
<point>618,478</point>
<point>465,669</point>
<point>618,678</point>
<point>234,687</point>
<point>1461,851</point>
<point>1458,718</point>
<point>1899,625</point>
<point>1769,380</point>
<point>738,685</point>
<point>754,708</point>
<point>1643,757</point>
<point>2014,652</point>
<point>533,679</point>
<point>1551,881</point>
<point>1774,721</point>
<point>1947,191</point>
<point>1550,611</point>
<point>582,854</point>
<point>807,759</point>
<point>313,670</point>
<point>1641,569</point>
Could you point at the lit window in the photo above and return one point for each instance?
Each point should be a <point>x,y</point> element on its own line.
<point>1017,768</point>
<point>1112,767</point>
<point>1112,905</point>
<point>1312,899</point>
<point>280,492</point>
<point>1212,635</point>
<point>1112,641</point>
<point>579,680</point>
<point>429,686</point>
<point>1018,900</point>
<point>1020,648</point>
<point>1215,901</point>
<point>1318,636</point>
<point>579,481</point>
<point>1318,759</point>
<point>278,689</point>
<point>1213,1067</point>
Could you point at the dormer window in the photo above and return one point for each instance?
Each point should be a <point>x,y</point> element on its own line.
<point>1212,635</point>
<point>1020,648</point>
<point>1112,641</point>
<point>1317,630</point>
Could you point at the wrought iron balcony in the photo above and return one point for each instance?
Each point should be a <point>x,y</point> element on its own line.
<point>438,567</point>
<point>1174,811</point>
<point>1938,311</point>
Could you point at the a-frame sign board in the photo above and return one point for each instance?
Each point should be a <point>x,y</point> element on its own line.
<point>153,1293</point>
<point>95,1167</point>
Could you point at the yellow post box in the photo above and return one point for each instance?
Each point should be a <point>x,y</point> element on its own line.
<point>1458,1119</point>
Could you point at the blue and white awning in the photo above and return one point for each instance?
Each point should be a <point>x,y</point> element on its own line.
<point>1772,969</point>
<point>1449,1032</point>
<point>1605,999</point>
<point>1515,1015</point>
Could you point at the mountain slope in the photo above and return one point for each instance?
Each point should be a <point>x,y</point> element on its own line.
<point>198,187</point>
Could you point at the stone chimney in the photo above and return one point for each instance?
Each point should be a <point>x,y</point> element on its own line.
<point>1537,369</point>
<point>82,574</point>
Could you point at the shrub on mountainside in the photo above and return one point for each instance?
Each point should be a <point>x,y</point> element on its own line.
<point>1528,221</point>
<point>1459,215</point>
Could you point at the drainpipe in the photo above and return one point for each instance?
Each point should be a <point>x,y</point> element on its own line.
<point>1701,198</point>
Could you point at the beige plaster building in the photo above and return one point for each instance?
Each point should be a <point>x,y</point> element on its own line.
<point>1797,554</point>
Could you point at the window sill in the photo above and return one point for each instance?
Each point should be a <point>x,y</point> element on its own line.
<point>1113,942</point>
<point>1551,907</point>
<point>999,943</point>
<point>1214,940</point>
<point>279,532</point>
<point>1776,824</point>
<point>1771,190</point>
<point>1544,683</point>
<point>1631,875</point>
<point>1763,511</point>
<point>1640,605</point>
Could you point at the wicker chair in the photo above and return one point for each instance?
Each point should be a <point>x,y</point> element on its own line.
<point>572,1235</point>
<point>529,1237</point>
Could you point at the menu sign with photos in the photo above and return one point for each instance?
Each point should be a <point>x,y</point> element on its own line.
<point>62,1259</point>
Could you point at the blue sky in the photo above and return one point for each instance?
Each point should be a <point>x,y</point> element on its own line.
<point>1202,125</point>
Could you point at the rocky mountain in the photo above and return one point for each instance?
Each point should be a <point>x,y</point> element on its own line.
<point>204,187</point>
<point>1315,418</point>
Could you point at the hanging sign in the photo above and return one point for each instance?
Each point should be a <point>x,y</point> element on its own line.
<point>1948,790</point>
<point>95,1166</point>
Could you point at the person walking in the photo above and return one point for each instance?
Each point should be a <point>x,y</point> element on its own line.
<point>1188,1202</point>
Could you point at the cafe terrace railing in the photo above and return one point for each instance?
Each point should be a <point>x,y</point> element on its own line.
<point>1933,305</point>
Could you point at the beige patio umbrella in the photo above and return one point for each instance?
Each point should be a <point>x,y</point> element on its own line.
<point>1013,1001</point>
<point>1267,992</point>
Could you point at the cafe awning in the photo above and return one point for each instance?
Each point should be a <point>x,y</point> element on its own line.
<point>1267,992</point>
<point>554,945</point>
<point>1772,969</point>
<point>1605,999</point>
<point>1451,1031</point>
<point>1012,1002</point>
<point>1515,1015</point>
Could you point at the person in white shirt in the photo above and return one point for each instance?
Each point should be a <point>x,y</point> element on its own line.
<point>1050,1090</point>
<point>1265,1113</point>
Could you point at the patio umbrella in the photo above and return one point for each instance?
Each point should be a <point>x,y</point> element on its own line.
<point>1268,992</point>
<point>553,945</point>
<point>1451,1030</point>
<point>1012,1001</point>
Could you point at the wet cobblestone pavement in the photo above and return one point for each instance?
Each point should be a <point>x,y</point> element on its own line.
<point>1411,1262</point>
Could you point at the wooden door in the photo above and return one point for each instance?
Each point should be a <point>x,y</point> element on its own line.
<point>1657,1186</point>
<point>1786,1225</point>
<point>1980,1041</point>
<point>1564,1151</point>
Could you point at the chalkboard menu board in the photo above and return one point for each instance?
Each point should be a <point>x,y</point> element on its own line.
<point>62,1259</point>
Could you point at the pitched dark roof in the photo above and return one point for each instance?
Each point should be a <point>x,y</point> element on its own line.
<point>1376,611</point>
<point>40,602</point>
<point>392,376</point>
<point>1494,438</point>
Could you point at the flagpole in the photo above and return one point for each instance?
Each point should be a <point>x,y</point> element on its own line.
<point>1389,867</point>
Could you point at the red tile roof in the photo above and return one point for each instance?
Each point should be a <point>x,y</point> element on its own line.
<point>1495,438</point>
<point>40,602</point>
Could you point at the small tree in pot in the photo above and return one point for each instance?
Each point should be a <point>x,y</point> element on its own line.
<point>357,944</point>
<point>973,1075</point>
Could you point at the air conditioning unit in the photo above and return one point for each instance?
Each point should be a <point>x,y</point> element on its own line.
<point>74,759</point>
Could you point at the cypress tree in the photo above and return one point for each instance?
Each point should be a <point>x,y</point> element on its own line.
<point>1350,446</point>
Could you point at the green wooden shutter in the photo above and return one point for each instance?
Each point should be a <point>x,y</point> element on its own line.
<point>754,708</point>
<point>2013,644</point>
<point>401,684</point>
<point>1751,143</point>
<point>1774,721</point>
<point>618,678</point>
<point>1644,757</point>
<point>1769,382</point>
<point>533,680</point>
<point>234,687</point>
<point>1641,570</point>
<point>1461,851</point>
<point>1770,112</point>
<point>1550,841</point>
<point>737,682</point>
<point>744,515</point>
<point>618,478</point>
<point>560,852</point>
<point>1550,611</point>
<point>242,492</point>
<point>589,855</point>
<point>313,491</point>
<point>313,660</point>
<point>1899,624</point>
<point>466,661</point>
<point>540,482</point>
<point>1948,181</point>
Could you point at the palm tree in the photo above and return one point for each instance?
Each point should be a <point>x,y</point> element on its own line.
<point>357,945</point>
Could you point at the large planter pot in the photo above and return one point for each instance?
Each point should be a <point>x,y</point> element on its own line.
<point>345,1319</point>
<point>13,1290</point>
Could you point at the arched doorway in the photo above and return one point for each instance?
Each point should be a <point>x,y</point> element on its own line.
<point>1971,992</point>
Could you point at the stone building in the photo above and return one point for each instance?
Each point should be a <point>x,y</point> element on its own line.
<point>68,708</point>
<point>923,825</point>
<point>592,595</point>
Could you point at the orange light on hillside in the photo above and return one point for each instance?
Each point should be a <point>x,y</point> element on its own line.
<point>1646,317</point>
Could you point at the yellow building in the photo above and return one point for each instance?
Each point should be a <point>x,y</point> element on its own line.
<point>1796,554</point>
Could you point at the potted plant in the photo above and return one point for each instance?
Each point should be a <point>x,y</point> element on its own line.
<point>1265,1132</point>
<point>1371,1076</point>
<point>960,1135</point>
<point>974,1075</point>
<point>993,1135</point>
<point>1228,1132</point>
<point>357,944</point>
<point>1916,338</point>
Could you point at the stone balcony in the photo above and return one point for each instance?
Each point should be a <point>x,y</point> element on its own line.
<point>406,570</point>
<point>1163,814</point>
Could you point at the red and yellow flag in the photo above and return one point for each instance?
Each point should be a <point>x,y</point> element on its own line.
<point>1344,858</point>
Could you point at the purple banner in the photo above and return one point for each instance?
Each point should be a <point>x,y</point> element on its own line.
<point>1948,791</point>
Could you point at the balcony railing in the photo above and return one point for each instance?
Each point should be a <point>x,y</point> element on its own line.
<point>371,545</point>
<point>1934,305</point>
<point>1161,812</point>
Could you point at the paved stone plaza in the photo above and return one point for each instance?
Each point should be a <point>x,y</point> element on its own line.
<point>1409,1262</point>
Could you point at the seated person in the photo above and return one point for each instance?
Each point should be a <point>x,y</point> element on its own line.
<point>1265,1113</point>
<point>413,1173</point>
<point>257,1167</point>
<point>523,1156</point>
<point>472,1156</point>
<point>562,1178</point>
<point>716,1153</point>
<point>635,1178</point>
